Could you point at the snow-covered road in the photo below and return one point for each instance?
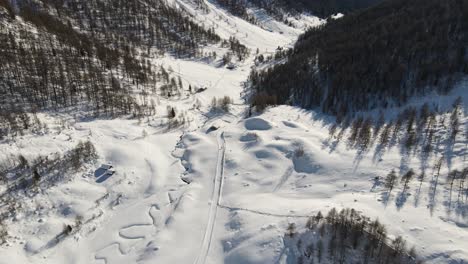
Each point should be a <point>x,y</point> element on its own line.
<point>215,201</point>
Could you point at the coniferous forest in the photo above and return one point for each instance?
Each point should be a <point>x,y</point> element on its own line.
<point>372,58</point>
<point>59,54</point>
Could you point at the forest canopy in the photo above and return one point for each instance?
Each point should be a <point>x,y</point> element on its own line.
<point>377,57</point>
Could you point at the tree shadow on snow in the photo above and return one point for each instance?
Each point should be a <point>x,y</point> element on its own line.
<point>289,250</point>
<point>405,160</point>
<point>424,158</point>
<point>461,210</point>
<point>361,152</point>
<point>385,198</point>
<point>417,196</point>
<point>55,240</point>
<point>449,153</point>
<point>331,144</point>
<point>432,195</point>
<point>378,153</point>
<point>401,199</point>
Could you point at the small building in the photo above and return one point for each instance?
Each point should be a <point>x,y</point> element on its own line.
<point>106,166</point>
<point>105,169</point>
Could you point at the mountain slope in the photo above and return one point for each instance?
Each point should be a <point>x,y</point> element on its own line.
<point>374,58</point>
<point>92,55</point>
<point>192,179</point>
<point>321,8</point>
<point>282,9</point>
<point>55,212</point>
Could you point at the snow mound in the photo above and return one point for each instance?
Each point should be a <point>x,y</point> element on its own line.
<point>264,154</point>
<point>249,137</point>
<point>293,125</point>
<point>33,245</point>
<point>304,162</point>
<point>257,124</point>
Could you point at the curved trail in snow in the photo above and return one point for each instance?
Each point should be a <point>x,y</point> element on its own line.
<point>215,201</point>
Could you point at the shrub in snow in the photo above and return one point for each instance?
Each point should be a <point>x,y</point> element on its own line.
<point>299,152</point>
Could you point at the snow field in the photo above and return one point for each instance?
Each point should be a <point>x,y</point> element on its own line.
<point>277,168</point>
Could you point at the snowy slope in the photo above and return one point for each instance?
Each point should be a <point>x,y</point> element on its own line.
<point>246,183</point>
<point>268,186</point>
<point>267,36</point>
<point>142,212</point>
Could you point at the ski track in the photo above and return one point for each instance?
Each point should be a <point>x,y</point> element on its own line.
<point>284,178</point>
<point>215,201</point>
<point>264,213</point>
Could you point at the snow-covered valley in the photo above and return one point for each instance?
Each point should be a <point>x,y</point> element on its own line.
<point>220,187</point>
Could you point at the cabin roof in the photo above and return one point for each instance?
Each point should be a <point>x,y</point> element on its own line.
<point>106,166</point>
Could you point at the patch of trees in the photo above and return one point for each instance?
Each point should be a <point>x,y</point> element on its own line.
<point>236,49</point>
<point>346,236</point>
<point>414,130</point>
<point>30,176</point>
<point>148,23</point>
<point>90,54</point>
<point>23,176</point>
<point>16,121</point>
<point>170,85</point>
<point>377,57</point>
<point>262,100</point>
<point>61,67</point>
<point>222,104</point>
<point>457,179</point>
<point>176,118</point>
<point>455,182</point>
